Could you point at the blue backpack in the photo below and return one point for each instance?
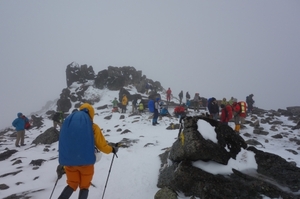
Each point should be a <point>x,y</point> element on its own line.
<point>208,102</point>
<point>151,106</point>
<point>76,140</point>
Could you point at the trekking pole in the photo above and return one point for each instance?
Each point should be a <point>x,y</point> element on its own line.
<point>108,174</point>
<point>54,187</point>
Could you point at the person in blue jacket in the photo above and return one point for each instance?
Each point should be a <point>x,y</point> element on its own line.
<point>19,124</point>
<point>164,111</point>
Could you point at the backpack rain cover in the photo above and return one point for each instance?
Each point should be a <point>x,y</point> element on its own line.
<point>76,140</point>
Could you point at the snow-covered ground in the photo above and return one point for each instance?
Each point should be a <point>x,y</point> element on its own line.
<point>134,173</point>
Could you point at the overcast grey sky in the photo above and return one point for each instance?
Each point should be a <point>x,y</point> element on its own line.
<point>217,48</point>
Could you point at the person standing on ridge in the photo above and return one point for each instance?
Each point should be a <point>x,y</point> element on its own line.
<point>196,102</point>
<point>180,95</point>
<point>156,111</point>
<point>58,119</point>
<point>239,113</point>
<point>115,105</point>
<point>169,92</point>
<point>134,105</point>
<point>250,102</point>
<point>77,141</point>
<point>226,113</point>
<point>19,124</point>
<point>213,108</point>
<point>124,103</point>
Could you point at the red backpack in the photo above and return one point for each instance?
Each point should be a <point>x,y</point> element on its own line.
<point>27,123</point>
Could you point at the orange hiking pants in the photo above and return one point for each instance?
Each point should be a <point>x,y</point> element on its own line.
<point>79,176</point>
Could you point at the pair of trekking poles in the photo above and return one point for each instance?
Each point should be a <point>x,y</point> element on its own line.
<point>105,182</point>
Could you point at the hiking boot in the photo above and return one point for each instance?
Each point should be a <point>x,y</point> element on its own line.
<point>17,145</point>
<point>66,193</point>
<point>23,144</point>
<point>83,194</point>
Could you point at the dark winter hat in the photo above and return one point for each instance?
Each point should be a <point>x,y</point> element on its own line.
<point>157,99</point>
<point>213,99</point>
<point>19,114</point>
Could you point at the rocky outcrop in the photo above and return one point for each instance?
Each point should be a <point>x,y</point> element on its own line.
<point>112,78</point>
<point>81,74</point>
<point>50,136</point>
<point>274,177</point>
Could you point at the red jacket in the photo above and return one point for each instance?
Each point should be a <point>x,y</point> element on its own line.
<point>226,114</point>
<point>169,92</point>
<point>179,109</point>
<point>240,108</point>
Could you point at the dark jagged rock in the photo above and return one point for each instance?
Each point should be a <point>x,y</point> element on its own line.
<point>76,73</point>
<point>275,177</point>
<point>3,186</point>
<point>278,169</point>
<point>113,78</point>
<point>37,122</point>
<point>50,136</point>
<point>6,154</point>
<point>37,162</point>
<point>11,173</point>
<point>23,195</point>
<point>191,145</point>
<point>295,110</point>
<point>165,193</point>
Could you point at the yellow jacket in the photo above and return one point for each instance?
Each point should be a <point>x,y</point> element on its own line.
<point>124,100</point>
<point>99,139</point>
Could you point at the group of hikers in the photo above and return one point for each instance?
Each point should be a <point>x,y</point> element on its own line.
<point>79,141</point>
<point>80,137</point>
<point>223,111</point>
<point>231,109</point>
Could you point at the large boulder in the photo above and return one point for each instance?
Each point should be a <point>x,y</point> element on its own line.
<point>274,177</point>
<point>193,146</point>
<point>50,136</point>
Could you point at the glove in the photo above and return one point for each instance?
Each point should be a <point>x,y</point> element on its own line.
<point>115,149</point>
<point>60,171</point>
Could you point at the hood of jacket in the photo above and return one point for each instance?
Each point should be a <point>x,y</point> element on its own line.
<point>90,109</point>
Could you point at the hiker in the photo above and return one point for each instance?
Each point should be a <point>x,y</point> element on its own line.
<point>134,103</point>
<point>180,95</point>
<point>239,112</point>
<point>124,103</point>
<point>77,141</point>
<point>250,102</point>
<point>156,111</point>
<point>169,92</point>
<point>226,113</point>
<point>164,111</point>
<point>179,111</point>
<point>224,101</point>
<point>115,105</point>
<point>232,99</point>
<point>188,97</point>
<point>213,108</point>
<point>19,124</point>
<point>58,119</point>
<point>141,107</point>
<point>196,102</point>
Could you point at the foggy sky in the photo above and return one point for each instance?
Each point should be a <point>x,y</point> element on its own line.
<point>217,48</point>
